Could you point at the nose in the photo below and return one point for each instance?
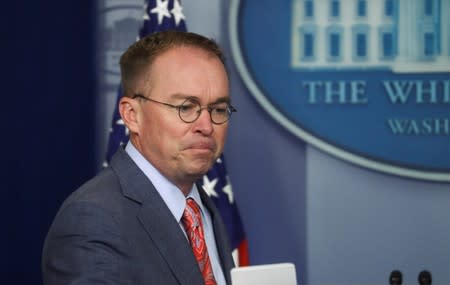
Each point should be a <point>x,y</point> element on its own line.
<point>204,123</point>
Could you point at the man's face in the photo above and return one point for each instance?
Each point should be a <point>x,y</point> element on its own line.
<point>182,151</point>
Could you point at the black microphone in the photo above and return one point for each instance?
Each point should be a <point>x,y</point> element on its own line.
<point>425,278</point>
<point>395,278</point>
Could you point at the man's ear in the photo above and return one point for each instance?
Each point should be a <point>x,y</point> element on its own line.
<point>128,109</point>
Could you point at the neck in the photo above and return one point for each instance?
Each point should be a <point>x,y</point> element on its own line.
<point>185,188</point>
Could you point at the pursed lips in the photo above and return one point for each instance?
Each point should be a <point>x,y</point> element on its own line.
<point>204,145</point>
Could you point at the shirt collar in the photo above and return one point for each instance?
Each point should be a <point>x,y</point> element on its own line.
<point>171,195</point>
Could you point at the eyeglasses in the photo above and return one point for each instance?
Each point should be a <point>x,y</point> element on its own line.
<point>190,110</point>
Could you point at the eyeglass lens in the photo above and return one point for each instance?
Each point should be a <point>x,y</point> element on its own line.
<point>190,110</point>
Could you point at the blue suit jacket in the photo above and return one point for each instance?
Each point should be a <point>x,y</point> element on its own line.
<point>116,229</point>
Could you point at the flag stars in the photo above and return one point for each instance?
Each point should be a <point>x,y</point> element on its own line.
<point>120,122</point>
<point>177,12</point>
<point>208,186</point>
<point>229,191</point>
<point>162,10</point>
<point>146,16</point>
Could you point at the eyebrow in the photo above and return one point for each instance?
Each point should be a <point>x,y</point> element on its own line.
<point>224,99</point>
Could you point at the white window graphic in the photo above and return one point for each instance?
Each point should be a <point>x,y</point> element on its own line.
<point>360,42</point>
<point>308,36</point>
<point>308,8</point>
<point>361,10</point>
<point>387,44</point>
<point>335,9</point>
<point>401,35</point>
<point>334,43</point>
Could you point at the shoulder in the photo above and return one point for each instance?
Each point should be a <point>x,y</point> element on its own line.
<point>85,234</point>
<point>93,212</point>
<point>101,190</point>
<point>96,199</point>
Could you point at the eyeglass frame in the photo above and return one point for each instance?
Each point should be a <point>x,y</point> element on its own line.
<point>230,109</point>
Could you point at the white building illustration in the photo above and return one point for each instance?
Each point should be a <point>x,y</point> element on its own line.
<point>402,35</point>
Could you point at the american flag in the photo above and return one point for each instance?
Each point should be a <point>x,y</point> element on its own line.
<point>160,15</point>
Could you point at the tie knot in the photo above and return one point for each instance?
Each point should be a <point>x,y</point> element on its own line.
<point>193,205</point>
<point>191,214</point>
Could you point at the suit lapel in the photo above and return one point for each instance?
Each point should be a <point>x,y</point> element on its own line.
<point>171,242</point>
<point>220,234</point>
<point>157,220</point>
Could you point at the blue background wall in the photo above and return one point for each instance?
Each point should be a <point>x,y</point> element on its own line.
<point>339,223</point>
<point>48,106</point>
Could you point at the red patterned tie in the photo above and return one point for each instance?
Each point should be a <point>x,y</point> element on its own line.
<point>192,223</point>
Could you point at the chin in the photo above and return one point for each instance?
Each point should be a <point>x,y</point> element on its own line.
<point>200,167</point>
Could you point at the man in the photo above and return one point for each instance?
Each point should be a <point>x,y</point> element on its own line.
<point>131,223</point>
